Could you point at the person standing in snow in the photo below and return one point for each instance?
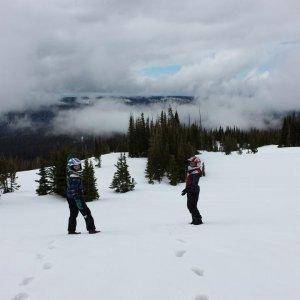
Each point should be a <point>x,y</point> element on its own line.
<point>192,189</point>
<point>75,192</point>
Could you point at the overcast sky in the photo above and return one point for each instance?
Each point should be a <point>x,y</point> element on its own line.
<point>236,56</point>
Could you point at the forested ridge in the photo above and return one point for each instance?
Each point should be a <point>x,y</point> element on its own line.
<point>165,135</point>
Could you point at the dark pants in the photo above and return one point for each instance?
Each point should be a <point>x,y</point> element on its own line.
<point>75,207</point>
<point>192,200</point>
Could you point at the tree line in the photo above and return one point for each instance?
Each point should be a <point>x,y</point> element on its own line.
<point>27,150</point>
<point>166,142</point>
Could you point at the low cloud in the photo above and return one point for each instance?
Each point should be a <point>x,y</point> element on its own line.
<point>21,123</point>
<point>106,116</point>
<point>110,116</point>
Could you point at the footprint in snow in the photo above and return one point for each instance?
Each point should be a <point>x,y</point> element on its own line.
<point>181,241</point>
<point>26,280</point>
<point>40,256</point>
<point>50,245</point>
<point>47,266</point>
<point>198,271</point>
<point>201,297</point>
<point>20,296</point>
<point>180,253</point>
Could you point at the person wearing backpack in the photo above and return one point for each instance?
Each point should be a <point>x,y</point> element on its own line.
<point>192,189</point>
<point>75,197</point>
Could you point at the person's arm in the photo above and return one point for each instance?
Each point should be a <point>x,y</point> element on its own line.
<point>183,192</point>
<point>80,187</point>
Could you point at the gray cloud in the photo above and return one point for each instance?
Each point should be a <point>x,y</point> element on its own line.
<point>239,58</point>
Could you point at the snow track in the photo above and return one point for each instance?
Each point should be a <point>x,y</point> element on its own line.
<point>248,247</point>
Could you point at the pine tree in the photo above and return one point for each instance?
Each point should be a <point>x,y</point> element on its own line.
<point>253,145</point>
<point>184,151</point>
<point>58,174</point>
<point>89,182</point>
<point>122,181</point>
<point>290,131</point>
<point>44,186</point>
<point>99,161</point>
<point>144,138</point>
<point>8,177</point>
<point>173,171</point>
<point>284,133</point>
<point>229,145</point>
<point>12,182</point>
<point>157,157</point>
<point>150,172</point>
<point>132,138</point>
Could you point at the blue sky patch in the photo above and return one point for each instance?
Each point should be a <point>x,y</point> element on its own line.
<point>155,72</point>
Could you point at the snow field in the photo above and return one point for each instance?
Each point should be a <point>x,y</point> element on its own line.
<point>247,249</point>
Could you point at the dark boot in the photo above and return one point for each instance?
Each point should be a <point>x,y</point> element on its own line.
<point>197,222</point>
<point>74,232</point>
<point>94,231</point>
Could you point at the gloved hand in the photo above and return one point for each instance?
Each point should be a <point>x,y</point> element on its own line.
<point>183,192</point>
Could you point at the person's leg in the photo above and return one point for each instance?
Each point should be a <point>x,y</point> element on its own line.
<point>192,206</point>
<point>73,215</point>
<point>196,214</point>
<point>86,213</point>
<point>89,220</point>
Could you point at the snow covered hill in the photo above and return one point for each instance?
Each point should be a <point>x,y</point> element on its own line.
<point>248,247</point>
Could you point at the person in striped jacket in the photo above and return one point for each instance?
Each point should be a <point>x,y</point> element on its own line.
<point>75,197</point>
<point>192,189</point>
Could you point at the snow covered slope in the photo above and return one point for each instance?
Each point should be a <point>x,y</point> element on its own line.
<point>248,247</point>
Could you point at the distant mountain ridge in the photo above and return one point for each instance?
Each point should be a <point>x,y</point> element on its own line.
<point>41,118</point>
<point>130,100</point>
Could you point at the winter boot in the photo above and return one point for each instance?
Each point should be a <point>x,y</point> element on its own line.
<point>74,232</point>
<point>197,222</point>
<point>94,231</point>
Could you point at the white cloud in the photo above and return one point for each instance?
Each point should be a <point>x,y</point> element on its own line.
<point>68,46</point>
